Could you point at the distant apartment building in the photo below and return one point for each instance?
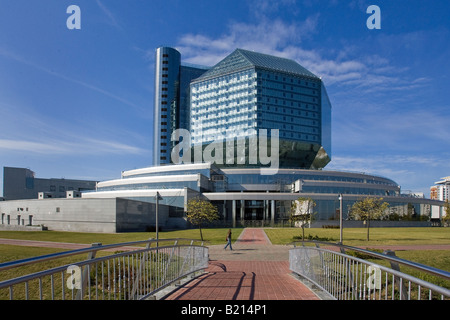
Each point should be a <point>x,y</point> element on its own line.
<point>441,189</point>
<point>21,183</point>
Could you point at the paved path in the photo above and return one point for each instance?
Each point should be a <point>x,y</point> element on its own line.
<point>254,270</point>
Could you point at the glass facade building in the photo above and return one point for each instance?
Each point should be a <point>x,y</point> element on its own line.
<point>243,195</point>
<point>232,102</point>
<point>249,91</point>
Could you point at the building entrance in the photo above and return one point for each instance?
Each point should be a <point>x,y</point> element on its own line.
<point>255,212</point>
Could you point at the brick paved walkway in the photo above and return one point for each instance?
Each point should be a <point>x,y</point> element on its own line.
<point>253,270</point>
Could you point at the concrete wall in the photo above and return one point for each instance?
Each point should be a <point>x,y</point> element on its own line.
<point>108,215</point>
<point>83,215</point>
<point>139,216</point>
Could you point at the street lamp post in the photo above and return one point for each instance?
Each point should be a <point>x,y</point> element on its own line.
<point>340,218</point>
<point>158,197</point>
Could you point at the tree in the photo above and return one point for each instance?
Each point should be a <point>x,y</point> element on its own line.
<point>200,212</point>
<point>368,209</point>
<point>302,212</point>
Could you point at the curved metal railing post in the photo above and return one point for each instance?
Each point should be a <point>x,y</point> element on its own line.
<point>135,273</point>
<point>347,277</point>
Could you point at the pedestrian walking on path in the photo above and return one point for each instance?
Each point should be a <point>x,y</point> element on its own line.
<point>228,240</point>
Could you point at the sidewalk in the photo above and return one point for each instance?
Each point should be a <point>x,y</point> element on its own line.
<point>254,270</point>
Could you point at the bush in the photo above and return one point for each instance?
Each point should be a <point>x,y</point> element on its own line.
<point>316,238</point>
<point>363,256</point>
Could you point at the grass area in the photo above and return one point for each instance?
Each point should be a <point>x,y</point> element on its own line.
<point>283,236</point>
<point>358,236</point>
<point>212,236</point>
<point>439,259</point>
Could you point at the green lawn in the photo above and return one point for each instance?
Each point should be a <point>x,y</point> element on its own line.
<point>283,236</point>
<point>358,236</point>
<point>212,236</point>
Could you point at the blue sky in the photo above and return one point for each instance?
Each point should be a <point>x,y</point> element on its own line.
<point>79,103</point>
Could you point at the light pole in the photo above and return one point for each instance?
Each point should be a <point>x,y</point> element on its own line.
<point>158,197</point>
<point>340,218</point>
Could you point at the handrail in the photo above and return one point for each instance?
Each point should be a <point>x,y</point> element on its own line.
<point>136,273</point>
<point>345,276</point>
<point>63,254</point>
<point>435,271</point>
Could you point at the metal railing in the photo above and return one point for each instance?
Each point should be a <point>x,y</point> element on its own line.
<point>126,271</point>
<point>348,277</point>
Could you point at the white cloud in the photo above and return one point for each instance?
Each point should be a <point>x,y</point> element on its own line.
<point>18,58</point>
<point>41,134</point>
<point>382,127</point>
<point>344,68</point>
<point>268,36</point>
<point>83,146</point>
<point>416,173</point>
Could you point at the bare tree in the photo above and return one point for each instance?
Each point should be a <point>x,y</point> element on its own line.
<point>302,212</point>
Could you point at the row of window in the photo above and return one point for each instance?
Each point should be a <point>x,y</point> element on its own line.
<point>164,89</point>
<point>289,178</point>
<point>298,114</point>
<point>282,78</point>
<point>53,188</point>
<point>20,220</point>
<point>287,88</point>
